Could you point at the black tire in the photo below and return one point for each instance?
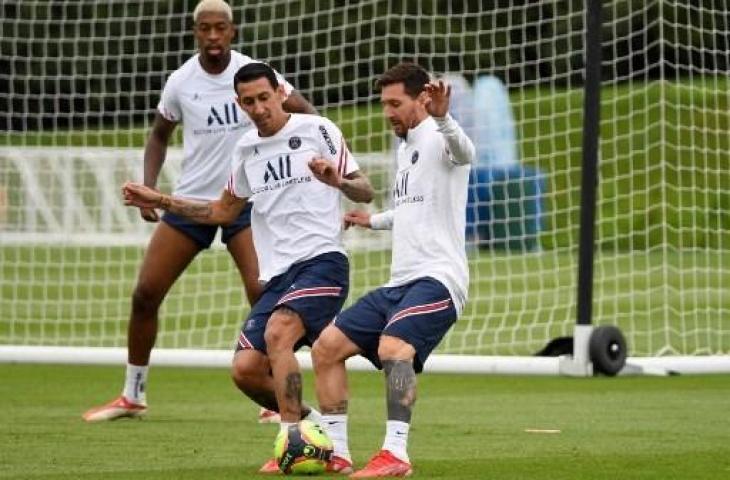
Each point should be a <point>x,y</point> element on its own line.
<point>607,349</point>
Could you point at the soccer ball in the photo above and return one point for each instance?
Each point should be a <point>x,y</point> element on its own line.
<point>303,449</point>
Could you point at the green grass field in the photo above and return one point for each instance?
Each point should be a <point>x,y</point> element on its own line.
<point>464,427</point>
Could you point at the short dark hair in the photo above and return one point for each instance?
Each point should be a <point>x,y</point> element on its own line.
<point>413,77</point>
<point>254,71</point>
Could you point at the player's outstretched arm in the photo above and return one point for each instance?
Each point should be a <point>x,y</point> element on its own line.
<point>376,221</point>
<point>355,185</point>
<point>461,147</point>
<point>217,212</point>
<point>358,218</point>
<point>154,156</point>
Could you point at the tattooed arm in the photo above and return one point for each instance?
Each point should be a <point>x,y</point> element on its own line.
<point>217,212</point>
<point>355,185</point>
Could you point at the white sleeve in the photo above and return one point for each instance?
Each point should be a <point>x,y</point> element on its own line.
<point>169,105</point>
<point>382,220</point>
<point>333,147</point>
<point>460,148</point>
<point>238,185</point>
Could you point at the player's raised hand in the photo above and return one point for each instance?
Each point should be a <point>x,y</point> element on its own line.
<point>138,195</point>
<point>357,217</point>
<point>439,95</point>
<point>325,172</point>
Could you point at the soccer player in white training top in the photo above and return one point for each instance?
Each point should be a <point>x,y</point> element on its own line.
<point>200,96</point>
<point>398,325</point>
<point>294,168</point>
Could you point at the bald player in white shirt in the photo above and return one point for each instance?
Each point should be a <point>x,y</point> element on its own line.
<point>294,169</point>
<point>398,325</point>
<point>199,95</point>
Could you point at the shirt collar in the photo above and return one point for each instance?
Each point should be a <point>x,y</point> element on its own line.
<point>421,130</point>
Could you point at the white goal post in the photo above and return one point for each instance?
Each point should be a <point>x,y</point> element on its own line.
<point>79,81</point>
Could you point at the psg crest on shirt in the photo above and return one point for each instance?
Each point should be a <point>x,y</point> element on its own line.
<point>414,157</point>
<point>295,142</point>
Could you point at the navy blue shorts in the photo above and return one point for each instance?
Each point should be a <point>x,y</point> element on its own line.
<point>316,289</point>
<point>203,235</point>
<point>419,313</point>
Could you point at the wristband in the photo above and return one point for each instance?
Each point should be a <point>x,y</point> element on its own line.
<point>164,202</point>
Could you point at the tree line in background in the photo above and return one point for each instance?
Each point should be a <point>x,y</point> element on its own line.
<point>102,64</point>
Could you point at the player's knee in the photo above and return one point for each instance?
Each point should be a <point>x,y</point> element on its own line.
<point>277,340</point>
<point>246,372</point>
<point>325,350</point>
<point>241,372</point>
<point>145,300</point>
<point>282,331</point>
<point>320,355</point>
<point>390,348</point>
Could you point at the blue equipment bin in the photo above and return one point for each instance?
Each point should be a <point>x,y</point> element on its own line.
<point>505,207</point>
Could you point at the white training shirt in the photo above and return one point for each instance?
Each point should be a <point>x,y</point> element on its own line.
<point>295,217</point>
<point>429,213</point>
<point>212,123</point>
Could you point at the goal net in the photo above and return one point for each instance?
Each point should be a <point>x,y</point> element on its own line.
<point>79,82</point>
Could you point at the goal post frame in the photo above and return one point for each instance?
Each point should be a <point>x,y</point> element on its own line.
<point>580,364</point>
<point>647,258</point>
<point>440,363</point>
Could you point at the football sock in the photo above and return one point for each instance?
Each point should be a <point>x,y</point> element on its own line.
<point>313,416</point>
<point>284,426</point>
<point>135,385</point>
<point>336,428</point>
<point>396,439</point>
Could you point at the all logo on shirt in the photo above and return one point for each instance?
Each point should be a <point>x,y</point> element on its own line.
<point>414,157</point>
<point>278,170</point>
<point>401,185</point>
<point>401,193</point>
<point>225,115</point>
<point>278,174</point>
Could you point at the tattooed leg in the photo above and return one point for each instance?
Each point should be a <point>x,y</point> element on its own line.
<point>293,394</point>
<point>284,329</point>
<point>401,389</point>
<point>339,408</point>
<point>252,375</point>
<point>329,353</point>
